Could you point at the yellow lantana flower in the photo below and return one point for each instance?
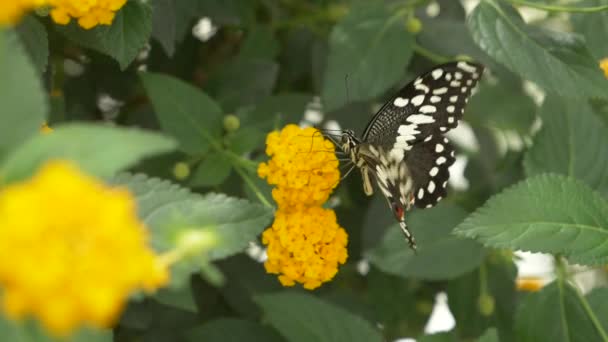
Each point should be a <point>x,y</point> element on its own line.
<point>305,243</point>
<point>45,128</point>
<point>305,246</point>
<point>12,10</point>
<point>604,66</point>
<point>89,13</point>
<point>303,166</point>
<point>72,250</point>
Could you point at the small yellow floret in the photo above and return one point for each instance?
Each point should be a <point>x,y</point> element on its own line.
<point>604,66</point>
<point>305,246</point>
<point>89,13</point>
<point>72,250</point>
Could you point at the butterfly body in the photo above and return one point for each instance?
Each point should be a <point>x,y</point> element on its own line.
<point>403,148</point>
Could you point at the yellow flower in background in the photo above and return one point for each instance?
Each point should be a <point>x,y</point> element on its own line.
<point>89,13</point>
<point>72,250</point>
<point>303,166</point>
<point>305,246</point>
<point>12,10</point>
<point>45,128</point>
<point>604,66</point>
<point>529,284</point>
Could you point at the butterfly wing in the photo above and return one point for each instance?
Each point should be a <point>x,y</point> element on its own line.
<point>431,104</point>
<point>428,163</point>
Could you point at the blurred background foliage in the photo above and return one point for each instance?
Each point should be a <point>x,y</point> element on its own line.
<point>217,76</point>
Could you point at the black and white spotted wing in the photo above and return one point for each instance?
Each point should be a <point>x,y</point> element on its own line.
<point>428,163</point>
<point>432,103</point>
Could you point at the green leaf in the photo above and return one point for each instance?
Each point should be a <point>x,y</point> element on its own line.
<point>557,61</point>
<point>593,26</point>
<point>123,40</point>
<point>177,297</point>
<point>554,314</point>
<point>184,112</point>
<point>232,330</point>
<point>213,170</point>
<point>502,106</point>
<point>164,24</point>
<point>439,337</point>
<point>464,293</point>
<point>30,331</point>
<point>304,318</point>
<point>489,336</point>
<point>234,221</point>
<point>368,52</point>
<point>243,81</point>
<point>260,43</point>
<point>275,111</point>
<point>98,150</point>
<point>547,213</point>
<point>35,39</point>
<point>230,222</point>
<point>597,300</point>
<point>24,107</point>
<point>573,141</point>
<point>450,256</point>
<point>152,193</point>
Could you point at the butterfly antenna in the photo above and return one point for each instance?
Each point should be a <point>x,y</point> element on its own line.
<point>346,86</point>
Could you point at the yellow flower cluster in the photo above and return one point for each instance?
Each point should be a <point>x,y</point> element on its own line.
<point>303,166</point>
<point>72,250</point>
<point>12,10</point>
<point>89,13</point>
<point>305,243</point>
<point>305,246</point>
<point>604,66</point>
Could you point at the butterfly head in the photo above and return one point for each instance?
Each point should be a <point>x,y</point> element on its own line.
<point>348,141</point>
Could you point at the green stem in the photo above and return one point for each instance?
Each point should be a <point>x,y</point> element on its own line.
<point>252,186</point>
<point>555,8</point>
<point>560,269</point>
<point>483,279</point>
<point>591,315</point>
<point>424,52</point>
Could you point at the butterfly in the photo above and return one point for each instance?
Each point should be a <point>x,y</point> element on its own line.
<point>403,147</point>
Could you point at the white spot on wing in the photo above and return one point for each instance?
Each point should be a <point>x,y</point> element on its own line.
<point>401,102</point>
<point>431,187</point>
<point>422,87</point>
<point>428,109</point>
<point>434,171</point>
<point>435,99</point>
<point>450,109</point>
<point>437,73</point>
<point>417,100</point>
<point>438,148</point>
<point>455,84</point>
<point>420,193</point>
<point>466,67</point>
<point>451,119</point>
<point>419,119</point>
<point>440,91</point>
<point>440,160</point>
<point>454,98</point>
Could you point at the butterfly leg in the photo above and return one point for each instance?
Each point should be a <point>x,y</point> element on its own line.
<point>408,236</point>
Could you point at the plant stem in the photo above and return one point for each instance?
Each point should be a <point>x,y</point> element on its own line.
<point>555,8</point>
<point>561,277</point>
<point>252,186</point>
<point>424,52</point>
